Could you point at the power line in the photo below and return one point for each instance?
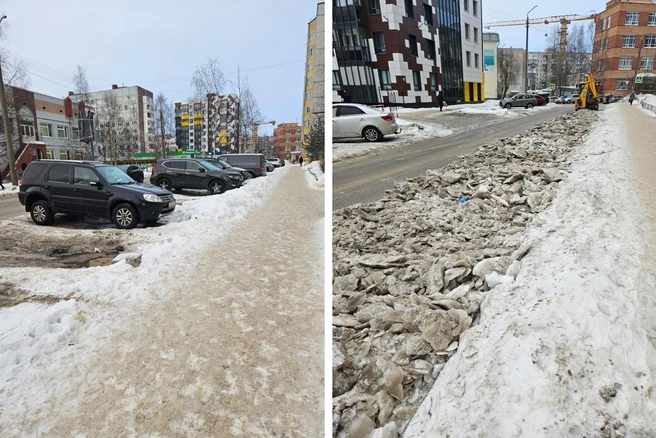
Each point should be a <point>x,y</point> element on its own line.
<point>43,67</point>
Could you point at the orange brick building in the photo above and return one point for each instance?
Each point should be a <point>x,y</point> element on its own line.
<point>287,141</point>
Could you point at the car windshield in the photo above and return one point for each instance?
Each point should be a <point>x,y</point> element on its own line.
<point>114,175</point>
<point>220,164</point>
<point>208,165</point>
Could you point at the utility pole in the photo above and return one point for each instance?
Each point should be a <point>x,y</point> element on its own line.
<point>635,73</point>
<point>5,119</point>
<point>526,53</point>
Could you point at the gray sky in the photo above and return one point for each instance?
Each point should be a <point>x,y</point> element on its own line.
<point>515,36</point>
<point>157,44</point>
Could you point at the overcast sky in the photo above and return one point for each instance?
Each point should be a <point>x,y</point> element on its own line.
<point>157,44</point>
<point>515,36</point>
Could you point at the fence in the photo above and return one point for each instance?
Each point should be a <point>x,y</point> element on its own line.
<point>648,106</point>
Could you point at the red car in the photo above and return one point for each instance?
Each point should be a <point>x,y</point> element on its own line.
<point>541,100</point>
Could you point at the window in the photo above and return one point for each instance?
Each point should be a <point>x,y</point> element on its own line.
<point>60,172</point>
<point>468,58</point>
<point>125,107</point>
<point>631,18</point>
<point>476,60</point>
<point>622,84</point>
<point>27,129</point>
<point>84,176</point>
<point>374,6</point>
<point>476,34</point>
<point>348,111</point>
<point>649,42</point>
<point>433,81</point>
<point>409,9</point>
<point>428,14</point>
<point>647,63</point>
<point>651,21</point>
<point>46,129</point>
<point>431,49</point>
<point>50,154</point>
<point>379,42</point>
<point>625,62</point>
<point>413,45</point>
<point>475,7</point>
<point>628,41</point>
<point>385,81</point>
<point>62,132</point>
<point>467,5</point>
<point>466,31</point>
<point>416,78</point>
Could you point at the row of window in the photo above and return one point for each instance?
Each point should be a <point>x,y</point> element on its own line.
<point>646,63</point>
<point>46,131</point>
<point>474,9</point>
<point>64,155</point>
<point>386,80</point>
<point>467,33</point>
<point>631,18</point>
<point>629,41</point>
<point>374,9</point>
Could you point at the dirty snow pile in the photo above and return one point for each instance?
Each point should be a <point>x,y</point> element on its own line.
<point>315,175</point>
<point>413,271</point>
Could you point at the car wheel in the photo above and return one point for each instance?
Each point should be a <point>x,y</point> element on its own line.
<point>216,187</point>
<point>251,174</point>
<point>41,213</point>
<point>508,106</point>
<point>164,183</point>
<point>125,216</point>
<point>371,133</point>
<point>529,105</point>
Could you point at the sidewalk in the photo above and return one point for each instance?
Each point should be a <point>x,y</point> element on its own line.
<point>233,348</point>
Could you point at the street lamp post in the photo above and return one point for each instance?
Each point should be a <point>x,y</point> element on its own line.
<point>5,119</point>
<point>526,53</point>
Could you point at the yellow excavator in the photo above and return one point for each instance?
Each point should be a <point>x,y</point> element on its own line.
<point>588,97</point>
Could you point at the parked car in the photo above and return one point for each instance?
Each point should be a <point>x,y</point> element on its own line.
<point>546,96</point>
<point>193,173</point>
<point>611,98</point>
<point>245,174</point>
<point>352,120</point>
<point>135,172</point>
<point>269,167</point>
<point>274,161</point>
<point>519,100</point>
<point>48,187</point>
<point>541,100</point>
<point>255,164</point>
<point>566,98</point>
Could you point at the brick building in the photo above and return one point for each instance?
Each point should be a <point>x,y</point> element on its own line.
<point>624,44</point>
<point>287,141</point>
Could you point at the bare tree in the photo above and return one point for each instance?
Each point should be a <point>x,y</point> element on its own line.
<point>509,69</point>
<point>249,111</point>
<point>165,124</point>
<point>116,138</point>
<point>208,78</point>
<point>81,84</point>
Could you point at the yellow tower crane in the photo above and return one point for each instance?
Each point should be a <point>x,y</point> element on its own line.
<point>564,20</point>
<point>255,126</point>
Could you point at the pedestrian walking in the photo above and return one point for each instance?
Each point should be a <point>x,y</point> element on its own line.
<point>2,187</point>
<point>300,161</point>
<point>631,98</point>
<point>346,97</point>
<point>440,100</point>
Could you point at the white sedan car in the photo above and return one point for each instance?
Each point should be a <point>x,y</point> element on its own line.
<point>354,120</point>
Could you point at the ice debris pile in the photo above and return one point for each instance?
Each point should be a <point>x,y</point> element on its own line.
<point>410,271</point>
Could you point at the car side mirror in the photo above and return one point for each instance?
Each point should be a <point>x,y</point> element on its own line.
<point>97,184</point>
<point>201,170</point>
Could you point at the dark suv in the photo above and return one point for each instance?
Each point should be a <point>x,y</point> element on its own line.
<point>254,163</point>
<point>90,189</point>
<point>193,173</point>
<point>245,174</point>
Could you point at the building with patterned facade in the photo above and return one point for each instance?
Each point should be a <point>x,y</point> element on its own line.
<point>287,141</point>
<point>624,44</point>
<point>313,96</point>
<point>394,52</point>
<point>208,124</point>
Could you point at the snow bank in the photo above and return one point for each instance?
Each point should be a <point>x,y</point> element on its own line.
<point>315,175</point>
<point>568,348</point>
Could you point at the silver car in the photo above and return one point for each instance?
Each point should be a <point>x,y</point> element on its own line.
<point>354,120</point>
<point>521,100</point>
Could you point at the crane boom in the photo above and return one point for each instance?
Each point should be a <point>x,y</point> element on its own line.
<point>255,125</point>
<point>544,20</point>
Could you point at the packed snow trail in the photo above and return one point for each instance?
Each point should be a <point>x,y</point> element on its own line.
<point>569,348</point>
<point>234,347</point>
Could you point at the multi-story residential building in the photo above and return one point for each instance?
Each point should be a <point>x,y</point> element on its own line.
<point>624,44</point>
<point>313,96</point>
<point>287,141</point>
<point>136,109</point>
<point>208,124</point>
<point>490,65</point>
<point>472,49</point>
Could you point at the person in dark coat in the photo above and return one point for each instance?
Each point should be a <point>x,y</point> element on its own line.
<point>2,187</point>
<point>346,97</point>
<point>631,98</point>
<point>440,100</point>
<point>300,161</point>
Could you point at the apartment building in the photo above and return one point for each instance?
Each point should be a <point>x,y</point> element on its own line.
<point>313,96</point>
<point>208,124</point>
<point>624,44</point>
<point>287,141</point>
<point>135,109</point>
<point>472,48</point>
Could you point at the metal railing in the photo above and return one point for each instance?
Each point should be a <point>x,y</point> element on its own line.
<point>648,106</point>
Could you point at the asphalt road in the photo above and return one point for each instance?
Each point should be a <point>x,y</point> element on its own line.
<point>365,179</point>
<point>10,207</point>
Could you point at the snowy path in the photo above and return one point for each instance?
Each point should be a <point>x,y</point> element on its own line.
<point>568,349</point>
<point>234,347</point>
